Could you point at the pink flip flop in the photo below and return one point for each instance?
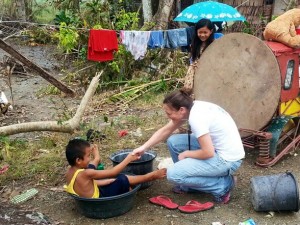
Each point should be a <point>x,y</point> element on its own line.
<point>194,206</point>
<point>163,201</point>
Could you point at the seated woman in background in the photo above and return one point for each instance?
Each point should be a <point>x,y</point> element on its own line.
<point>204,36</point>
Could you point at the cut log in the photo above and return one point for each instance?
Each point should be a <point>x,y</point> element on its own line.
<point>66,127</point>
<point>17,55</point>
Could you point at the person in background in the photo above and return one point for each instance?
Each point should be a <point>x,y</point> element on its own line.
<point>206,159</point>
<point>204,36</point>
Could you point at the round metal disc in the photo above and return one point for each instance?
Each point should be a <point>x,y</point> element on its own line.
<point>240,73</point>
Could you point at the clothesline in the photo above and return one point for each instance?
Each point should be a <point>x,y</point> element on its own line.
<point>45,25</point>
<point>57,26</point>
<point>104,42</point>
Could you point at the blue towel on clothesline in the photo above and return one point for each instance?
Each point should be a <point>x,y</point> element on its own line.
<point>175,38</point>
<point>156,39</point>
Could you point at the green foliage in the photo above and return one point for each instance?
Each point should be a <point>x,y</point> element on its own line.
<point>42,12</point>
<point>274,17</point>
<point>48,90</point>
<point>6,8</point>
<point>7,146</point>
<point>248,29</point>
<point>65,4</point>
<point>118,5</point>
<point>98,12</point>
<point>67,17</point>
<point>126,20</point>
<point>41,35</point>
<point>68,37</point>
<point>121,67</point>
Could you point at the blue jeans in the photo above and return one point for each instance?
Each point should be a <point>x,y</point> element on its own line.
<point>213,175</point>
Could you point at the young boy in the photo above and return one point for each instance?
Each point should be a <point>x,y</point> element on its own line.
<point>83,180</point>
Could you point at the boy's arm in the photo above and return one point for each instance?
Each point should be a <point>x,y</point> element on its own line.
<point>96,155</point>
<point>104,182</point>
<point>113,172</point>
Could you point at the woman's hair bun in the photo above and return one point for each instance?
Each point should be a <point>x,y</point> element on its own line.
<point>186,91</point>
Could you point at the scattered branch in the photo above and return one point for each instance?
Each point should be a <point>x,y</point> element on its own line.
<point>66,127</point>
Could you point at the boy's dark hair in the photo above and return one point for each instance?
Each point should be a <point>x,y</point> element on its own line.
<point>76,149</point>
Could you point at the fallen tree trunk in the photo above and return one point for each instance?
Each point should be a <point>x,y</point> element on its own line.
<point>14,53</point>
<point>66,127</point>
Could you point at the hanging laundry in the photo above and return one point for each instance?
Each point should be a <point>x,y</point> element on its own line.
<point>156,39</point>
<point>190,32</point>
<point>175,38</point>
<point>102,44</point>
<point>135,42</point>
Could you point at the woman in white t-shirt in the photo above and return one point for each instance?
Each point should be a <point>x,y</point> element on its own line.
<point>206,159</point>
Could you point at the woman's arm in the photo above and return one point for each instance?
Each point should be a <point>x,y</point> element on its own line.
<point>160,135</point>
<point>207,149</point>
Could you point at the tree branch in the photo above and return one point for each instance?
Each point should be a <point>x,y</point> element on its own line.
<point>66,127</point>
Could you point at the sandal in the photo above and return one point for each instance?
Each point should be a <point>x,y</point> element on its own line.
<point>194,207</point>
<point>163,201</point>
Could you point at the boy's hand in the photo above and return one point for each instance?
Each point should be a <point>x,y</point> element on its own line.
<point>96,155</point>
<point>95,151</point>
<point>132,156</point>
<point>94,148</point>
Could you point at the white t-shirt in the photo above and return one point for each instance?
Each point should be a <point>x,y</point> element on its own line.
<point>206,117</point>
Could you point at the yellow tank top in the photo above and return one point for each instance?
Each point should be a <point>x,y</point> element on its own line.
<point>69,188</point>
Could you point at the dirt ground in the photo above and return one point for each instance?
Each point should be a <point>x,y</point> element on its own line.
<point>52,206</point>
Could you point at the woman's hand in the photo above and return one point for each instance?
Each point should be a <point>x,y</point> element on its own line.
<point>183,155</point>
<point>139,151</point>
<point>132,156</point>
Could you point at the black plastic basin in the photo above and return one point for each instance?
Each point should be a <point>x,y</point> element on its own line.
<point>139,167</point>
<point>106,207</point>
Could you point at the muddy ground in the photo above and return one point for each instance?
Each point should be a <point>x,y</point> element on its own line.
<point>52,206</point>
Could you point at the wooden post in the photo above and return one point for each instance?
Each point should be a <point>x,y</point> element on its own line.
<point>14,53</point>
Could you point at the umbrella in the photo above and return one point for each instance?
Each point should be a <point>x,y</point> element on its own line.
<point>214,11</point>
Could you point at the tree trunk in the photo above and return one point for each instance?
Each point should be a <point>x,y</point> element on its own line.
<point>20,10</point>
<point>66,127</point>
<point>162,16</point>
<point>147,10</point>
